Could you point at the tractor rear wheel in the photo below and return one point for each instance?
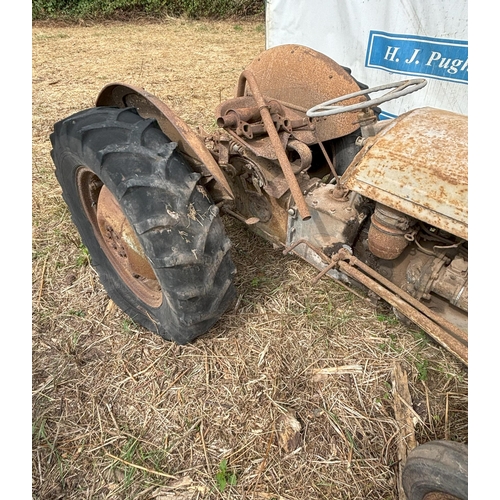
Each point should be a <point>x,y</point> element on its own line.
<point>154,236</point>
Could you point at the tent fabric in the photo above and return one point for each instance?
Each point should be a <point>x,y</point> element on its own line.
<point>384,41</point>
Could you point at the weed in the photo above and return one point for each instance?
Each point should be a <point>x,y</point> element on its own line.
<point>156,458</point>
<point>388,392</point>
<point>38,430</point>
<point>44,9</point>
<point>127,454</point>
<point>350,438</point>
<point>127,325</point>
<point>40,435</point>
<point>257,281</point>
<point>75,312</point>
<point>237,27</point>
<point>422,366</point>
<point>44,36</point>
<point>421,337</point>
<point>392,345</point>
<point>389,319</point>
<point>83,256</point>
<point>343,317</point>
<point>225,477</point>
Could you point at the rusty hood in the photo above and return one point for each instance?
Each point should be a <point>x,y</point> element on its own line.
<point>418,164</point>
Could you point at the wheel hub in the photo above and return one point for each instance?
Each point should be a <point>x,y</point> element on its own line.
<point>117,238</point>
<point>120,236</point>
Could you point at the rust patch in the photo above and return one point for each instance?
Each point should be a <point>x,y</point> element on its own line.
<point>176,129</point>
<point>300,75</point>
<point>418,165</point>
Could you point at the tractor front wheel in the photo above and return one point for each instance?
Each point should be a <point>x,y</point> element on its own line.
<point>437,470</point>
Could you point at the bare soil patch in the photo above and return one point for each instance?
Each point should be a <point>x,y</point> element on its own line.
<point>118,413</point>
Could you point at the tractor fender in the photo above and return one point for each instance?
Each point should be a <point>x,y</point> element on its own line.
<point>418,165</point>
<point>177,130</point>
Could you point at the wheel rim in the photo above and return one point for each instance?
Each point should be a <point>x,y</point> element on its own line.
<point>117,238</point>
<point>437,495</point>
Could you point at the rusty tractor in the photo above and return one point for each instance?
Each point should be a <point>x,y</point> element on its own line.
<point>301,157</point>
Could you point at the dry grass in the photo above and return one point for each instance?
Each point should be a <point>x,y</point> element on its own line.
<point>118,413</point>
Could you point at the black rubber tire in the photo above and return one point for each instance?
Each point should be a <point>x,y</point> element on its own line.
<point>177,225</point>
<point>437,467</point>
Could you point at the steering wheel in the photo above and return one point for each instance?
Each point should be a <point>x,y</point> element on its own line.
<point>400,89</point>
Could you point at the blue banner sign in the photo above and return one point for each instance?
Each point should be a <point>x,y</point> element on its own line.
<point>415,55</point>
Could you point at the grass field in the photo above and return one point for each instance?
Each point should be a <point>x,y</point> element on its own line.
<point>119,413</point>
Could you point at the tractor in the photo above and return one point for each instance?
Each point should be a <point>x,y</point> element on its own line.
<point>303,159</point>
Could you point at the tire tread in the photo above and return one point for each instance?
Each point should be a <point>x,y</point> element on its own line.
<point>176,222</point>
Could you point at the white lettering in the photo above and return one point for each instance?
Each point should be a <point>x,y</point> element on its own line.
<point>454,64</point>
<point>413,56</point>
<point>391,53</point>
<point>434,57</point>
